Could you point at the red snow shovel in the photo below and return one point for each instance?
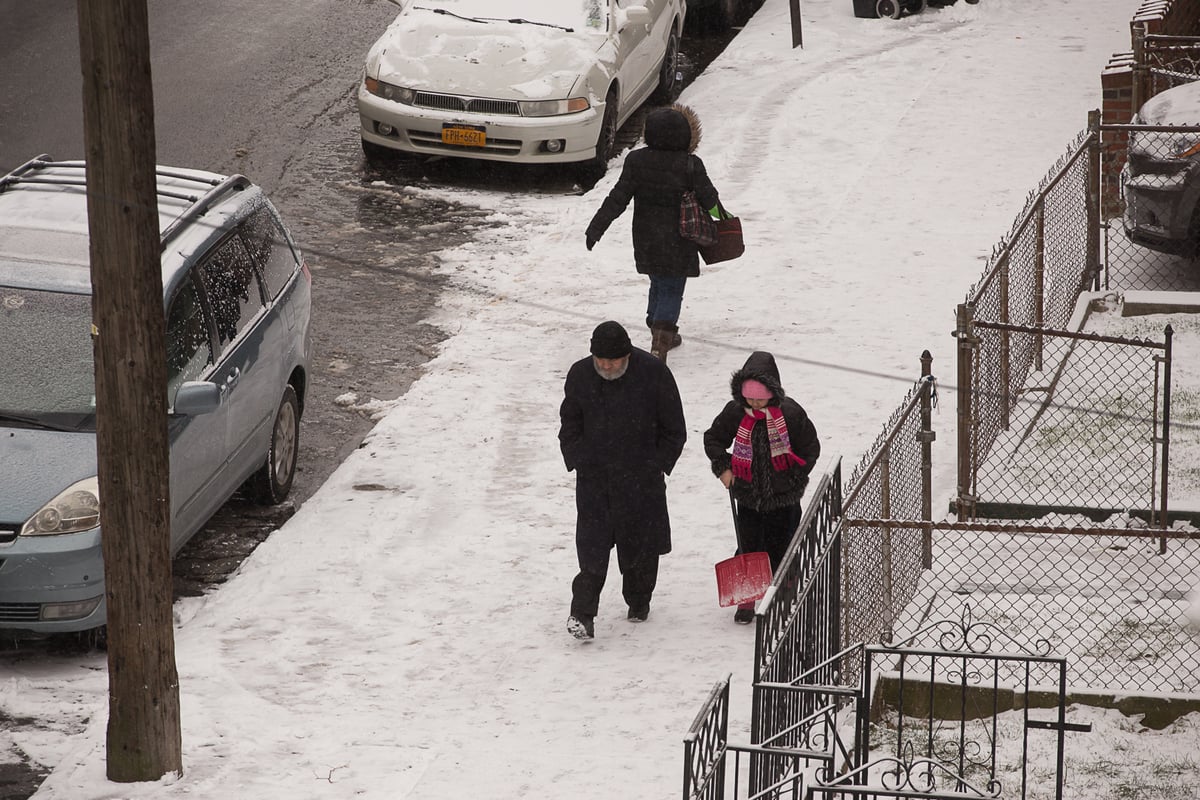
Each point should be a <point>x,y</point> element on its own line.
<point>743,578</point>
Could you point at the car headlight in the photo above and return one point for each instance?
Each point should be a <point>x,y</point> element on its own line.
<point>553,108</point>
<point>75,509</point>
<point>387,91</point>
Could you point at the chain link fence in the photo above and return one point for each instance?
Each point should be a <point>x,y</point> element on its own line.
<point>881,565</point>
<point>1082,432</point>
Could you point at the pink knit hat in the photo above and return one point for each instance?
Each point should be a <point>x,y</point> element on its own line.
<point>755,390</point>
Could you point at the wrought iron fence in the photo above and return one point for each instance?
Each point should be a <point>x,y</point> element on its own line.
<point>704,747</point>
<point>797,626</point>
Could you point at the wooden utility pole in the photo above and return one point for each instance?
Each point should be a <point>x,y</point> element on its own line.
<point>144,740</point>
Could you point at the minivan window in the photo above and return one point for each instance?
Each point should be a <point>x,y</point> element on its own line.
<point>189,342</point>
<point>232,287</point>
<point>46,372</point>
<point>269,245</point>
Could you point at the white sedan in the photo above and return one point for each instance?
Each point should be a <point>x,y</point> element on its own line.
<point>528,81</point>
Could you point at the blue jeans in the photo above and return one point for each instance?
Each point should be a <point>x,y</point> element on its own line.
<point>666,299</point>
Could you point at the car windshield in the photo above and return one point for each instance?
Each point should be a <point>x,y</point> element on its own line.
<point>578,15</point>
<point>46,374</point>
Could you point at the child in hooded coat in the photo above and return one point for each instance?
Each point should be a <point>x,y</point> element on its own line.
<point>654,178</point>
<point>774,448</point>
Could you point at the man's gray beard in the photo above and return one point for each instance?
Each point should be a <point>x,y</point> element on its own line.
<point>610,376</point>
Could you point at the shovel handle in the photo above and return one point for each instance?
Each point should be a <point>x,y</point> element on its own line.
<point>737,529</point>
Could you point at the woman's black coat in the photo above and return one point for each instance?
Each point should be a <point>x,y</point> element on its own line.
<point>620,437</point>
<point>655,178</point>
<point>769,488</point>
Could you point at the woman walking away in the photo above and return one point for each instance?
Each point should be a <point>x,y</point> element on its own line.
<point>774,449</point>
<point>655,178</point>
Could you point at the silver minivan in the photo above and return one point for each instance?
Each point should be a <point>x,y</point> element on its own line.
<point>236,300</point>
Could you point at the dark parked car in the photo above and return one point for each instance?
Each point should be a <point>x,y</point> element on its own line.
<point>1161,179</point>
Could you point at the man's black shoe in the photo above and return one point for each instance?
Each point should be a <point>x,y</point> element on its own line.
<point>580,626</point>
<point>639,613</point>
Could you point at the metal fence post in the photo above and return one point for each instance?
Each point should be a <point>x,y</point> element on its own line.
<point>1005,345</point>
<point>1092,262</point>
<point>926,437</point>
<point>885,490</point>
<point>964,332</point>
<point>1168,333</point>
<point>1039,282</point>
<point>1140,69</point>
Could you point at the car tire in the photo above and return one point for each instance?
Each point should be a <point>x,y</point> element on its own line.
<point>606,142</point>
<point>271,484</point>
<point>1191,247</point>
<point>917,6</point>
<point>888,8</point>
<point>376,154</point>
<point>668,73</point>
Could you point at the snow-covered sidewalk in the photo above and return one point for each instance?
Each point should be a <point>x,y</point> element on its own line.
<point>403,635</point>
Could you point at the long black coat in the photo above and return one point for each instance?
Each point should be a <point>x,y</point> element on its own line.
<point>768,488</point>
<point>621,437</point>
<point>654,178</point>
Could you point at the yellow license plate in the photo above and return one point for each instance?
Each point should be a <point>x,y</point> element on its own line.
<point>473,136</point>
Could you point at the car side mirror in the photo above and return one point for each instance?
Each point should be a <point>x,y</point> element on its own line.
<point>632,15</point>
<point>197,397</point>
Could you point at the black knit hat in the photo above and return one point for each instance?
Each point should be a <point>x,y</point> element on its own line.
<point>610,340</point>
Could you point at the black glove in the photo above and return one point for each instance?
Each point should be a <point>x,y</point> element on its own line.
<point>591,241</point>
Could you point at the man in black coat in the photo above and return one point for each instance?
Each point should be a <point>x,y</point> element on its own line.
<point>622,431</point>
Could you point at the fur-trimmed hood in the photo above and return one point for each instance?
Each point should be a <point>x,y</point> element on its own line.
<point>675,127</point>
<point>760,366</point>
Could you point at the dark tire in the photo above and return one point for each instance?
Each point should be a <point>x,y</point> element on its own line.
<point>1191,248</point>
<point>668,73</point>
<point>917,6</point>
<point>888,8</point>
<point>606,142</point>
<point>377,155</point>
<point>271,484</point>
<point>972,2</point>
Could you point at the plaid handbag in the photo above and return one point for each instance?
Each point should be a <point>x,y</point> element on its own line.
<point>695,224</point>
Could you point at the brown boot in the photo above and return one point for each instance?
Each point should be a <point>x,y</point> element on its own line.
<point>660,341</point>
<point>673,337</point>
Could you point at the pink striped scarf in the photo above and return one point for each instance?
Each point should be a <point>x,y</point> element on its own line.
<point>782,456</point>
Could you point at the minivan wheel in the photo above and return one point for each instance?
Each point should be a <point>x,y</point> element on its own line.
<point>273,481</point>
<point>888,8</point>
